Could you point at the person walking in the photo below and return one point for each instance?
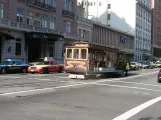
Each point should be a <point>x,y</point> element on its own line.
<point>127,67</point>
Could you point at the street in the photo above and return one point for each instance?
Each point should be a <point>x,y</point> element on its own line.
<point>55,97</point>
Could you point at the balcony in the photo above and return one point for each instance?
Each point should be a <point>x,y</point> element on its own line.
<point>25,27</point>
<point>70,36</point>
<point>41,5</point>
<point>67,13</point>
<point>84,20</point>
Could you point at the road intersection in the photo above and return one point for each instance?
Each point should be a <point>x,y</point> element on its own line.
<point>55,97</point>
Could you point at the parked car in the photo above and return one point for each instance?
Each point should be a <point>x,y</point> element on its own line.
<point>46,67</point>
<point>13,66</point>
<point>140,65</point>
<point>36,61</point>
<point>158,64</point>
<point>134,66</point>
<point>159,77</point>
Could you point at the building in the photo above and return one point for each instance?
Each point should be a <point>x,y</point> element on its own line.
<point>32,29</point>
<point>95,10</point>
<point>84,26</point>
<point>114,38</point>
<point>156,28</point>
<point>130,16</point>
<point>134,18</point>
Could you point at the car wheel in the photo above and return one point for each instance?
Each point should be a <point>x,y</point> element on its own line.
<point>159,81</point>
<point>4,71</point>
<point>60,70</point>
<point>24,70</point>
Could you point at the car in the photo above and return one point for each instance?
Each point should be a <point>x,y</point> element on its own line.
<point>158,64</point>
<point>36,61</point>
<point>159,77</point>
<point>10,65</point>
<point>46,67</point>
<point>134,66</point>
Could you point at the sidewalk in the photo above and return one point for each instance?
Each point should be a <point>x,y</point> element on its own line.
<point>144,71</point>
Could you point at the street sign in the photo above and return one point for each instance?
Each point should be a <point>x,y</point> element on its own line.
<point>123,39</point>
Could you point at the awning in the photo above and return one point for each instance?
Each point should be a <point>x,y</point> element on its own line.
<point>38,35</point>
<point>8,36</point>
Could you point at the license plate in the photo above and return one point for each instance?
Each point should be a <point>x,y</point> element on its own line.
<point>32,70</point>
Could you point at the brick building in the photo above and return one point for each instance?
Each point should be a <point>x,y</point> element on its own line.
<point>156,28</point>
<point>31,29</point>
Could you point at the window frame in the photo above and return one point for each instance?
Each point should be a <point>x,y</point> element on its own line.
<point>18,41</point>
<point>79,55</point>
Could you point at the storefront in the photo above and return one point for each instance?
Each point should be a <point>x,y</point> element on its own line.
<point>40,45</point>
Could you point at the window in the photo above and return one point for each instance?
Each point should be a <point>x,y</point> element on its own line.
<point>18,63</point>
<point>76,54</point>
<point>69,53</point>
<point>68,5</point>
<point>100,3</point>
<point>68,26</point>
<point>109,6</point>
<point>13,63</point>
<point>52,23</point>
<point>18,47</point>
<point>30,18</point>
<point>53,3</point>
<point>20,13</point>
<point>37,22</point>
<point>45,21</point>
<point>1,10</point>
<point>83,54</point>
<point>109,16</point>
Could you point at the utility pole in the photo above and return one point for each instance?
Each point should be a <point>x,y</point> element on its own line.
<point>97,10</point>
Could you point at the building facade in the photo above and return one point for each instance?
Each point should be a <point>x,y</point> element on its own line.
<point>84,26</point>
<point>114,38</point>
<point>156,28</point>
<point>95,10</point>
<point>143,30</point>
<point>32,29</point>
<point>130,16</point>
<point>134,18</point>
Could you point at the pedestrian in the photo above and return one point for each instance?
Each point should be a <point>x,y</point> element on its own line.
<point>127,67</point>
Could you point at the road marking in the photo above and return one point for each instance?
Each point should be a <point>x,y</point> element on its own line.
<point>38,91</point>
<point>10,77</point>
<point>137,109</point>
<point>44,90</point>
<point>124,78</point>
<point>135,83</point>
<point>128,87</point>
<point>38,79</point>
<point>49,80</point>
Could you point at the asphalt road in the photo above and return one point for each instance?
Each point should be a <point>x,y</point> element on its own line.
<point>55,97</point>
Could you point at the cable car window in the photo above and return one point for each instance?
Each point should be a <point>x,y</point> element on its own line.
<point>69,53</point>
<point>83,54</point>
<point>76,53</point>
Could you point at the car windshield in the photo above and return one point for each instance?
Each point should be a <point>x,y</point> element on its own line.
<point>132,63</point>
<point>43,63</point>
<point>5,63</point>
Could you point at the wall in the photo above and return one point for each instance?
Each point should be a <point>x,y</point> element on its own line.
<point>123,15</point>
<point>111,38</point>
<point>12,43</point>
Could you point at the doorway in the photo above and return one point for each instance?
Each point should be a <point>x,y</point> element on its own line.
<point>34,49</point>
